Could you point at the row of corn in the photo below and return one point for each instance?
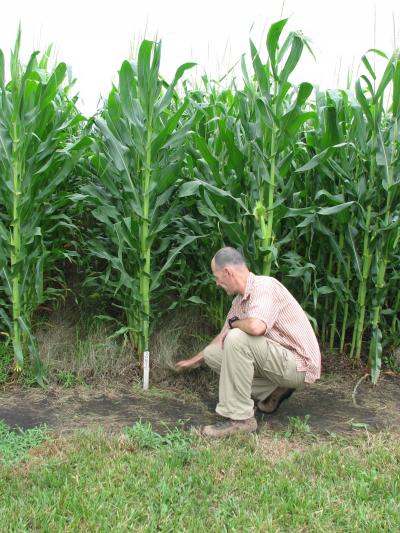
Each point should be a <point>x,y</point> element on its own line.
<point>305,182</point>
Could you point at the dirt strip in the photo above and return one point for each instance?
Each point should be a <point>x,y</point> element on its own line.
<point>329,405</point>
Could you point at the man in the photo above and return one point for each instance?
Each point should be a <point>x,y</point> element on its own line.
<point>266,349</point>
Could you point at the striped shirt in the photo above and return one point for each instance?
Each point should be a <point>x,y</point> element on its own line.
<point>266,299</point>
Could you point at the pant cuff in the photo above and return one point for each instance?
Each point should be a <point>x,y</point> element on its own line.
<point>234,416</point>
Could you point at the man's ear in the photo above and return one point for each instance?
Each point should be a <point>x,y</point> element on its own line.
<point>228,270</point>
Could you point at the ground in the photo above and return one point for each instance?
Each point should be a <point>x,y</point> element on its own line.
<point>338,404</point>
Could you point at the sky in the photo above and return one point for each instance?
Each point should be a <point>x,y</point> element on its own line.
<point>94,37</point>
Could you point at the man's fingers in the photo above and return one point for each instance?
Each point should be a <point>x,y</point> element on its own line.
<point>185,363</point>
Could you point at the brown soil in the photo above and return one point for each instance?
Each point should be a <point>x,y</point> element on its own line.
<point>330,403</point>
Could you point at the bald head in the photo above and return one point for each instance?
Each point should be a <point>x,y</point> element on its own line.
<point>230,270</point>
<point>228,256</point>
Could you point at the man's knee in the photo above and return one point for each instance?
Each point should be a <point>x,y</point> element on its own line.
<point>213,357</point>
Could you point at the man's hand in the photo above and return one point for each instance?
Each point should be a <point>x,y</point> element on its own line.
<point>186,363</point>
<point>190,363</point>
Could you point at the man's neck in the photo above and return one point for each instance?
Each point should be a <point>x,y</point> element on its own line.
<point>242,281</point>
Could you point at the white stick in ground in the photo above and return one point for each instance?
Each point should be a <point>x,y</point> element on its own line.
<point>146,370</point>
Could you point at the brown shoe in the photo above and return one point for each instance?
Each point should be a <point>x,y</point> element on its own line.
<point>274,400</point>
<point>229,427</point>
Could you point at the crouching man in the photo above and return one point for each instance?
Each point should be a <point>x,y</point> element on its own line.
<point>266,350</point>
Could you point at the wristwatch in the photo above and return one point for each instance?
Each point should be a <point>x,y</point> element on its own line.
<point>232,320</point>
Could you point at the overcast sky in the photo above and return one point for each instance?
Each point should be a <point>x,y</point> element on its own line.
<point>95,36</point>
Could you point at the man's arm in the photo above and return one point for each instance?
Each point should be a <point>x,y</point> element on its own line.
<point>252,326</point>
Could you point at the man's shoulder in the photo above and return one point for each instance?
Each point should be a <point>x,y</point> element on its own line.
<point>267,281</point>
<point>270,285</point>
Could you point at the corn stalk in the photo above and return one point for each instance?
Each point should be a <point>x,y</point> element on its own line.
<point>38,125</point>
<point>135,166</point>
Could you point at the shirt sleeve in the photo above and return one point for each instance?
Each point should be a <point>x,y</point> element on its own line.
<point>264,305</point>
<point>233,311</point>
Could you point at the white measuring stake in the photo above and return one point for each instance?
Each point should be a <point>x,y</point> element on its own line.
<point>146,370</point>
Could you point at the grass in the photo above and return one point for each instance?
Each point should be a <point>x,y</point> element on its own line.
<point>141,481</point>
<point>187,333</point>
<point>76,351</point>
<point>15,445</point>
<point>6,359</point>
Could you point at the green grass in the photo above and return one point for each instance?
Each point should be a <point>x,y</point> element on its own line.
<point>139,482</point>
<point>15,445</point>
<point>6,359</point>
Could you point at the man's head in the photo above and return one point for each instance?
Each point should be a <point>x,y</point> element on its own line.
<point>230,270</point>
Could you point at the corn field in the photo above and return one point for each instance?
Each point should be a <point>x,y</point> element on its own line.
<point>306,183</point>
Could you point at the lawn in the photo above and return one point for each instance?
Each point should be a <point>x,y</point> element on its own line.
<point>138,480</point>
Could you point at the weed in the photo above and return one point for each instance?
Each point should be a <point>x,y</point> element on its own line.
<point>175,445</point>
<point>14,445</point>
<point>298,426</point>
<point>144,436</point>
<point>358,425</point>
<point>391,361</point>
<point>68,379</point>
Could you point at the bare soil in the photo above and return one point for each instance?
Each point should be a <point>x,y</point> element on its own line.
<point>331,404</point>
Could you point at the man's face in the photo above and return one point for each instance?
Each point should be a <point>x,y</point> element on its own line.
<point>223,278</point>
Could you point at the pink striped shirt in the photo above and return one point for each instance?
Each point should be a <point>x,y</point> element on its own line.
<point>268,300</point>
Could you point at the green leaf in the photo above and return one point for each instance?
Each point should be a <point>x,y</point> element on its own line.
<point>329,211</point>
<point>273,35</point>
<point>196,300</point>
<point>304,91</point>
<point>386,79</point>
<point>166,132</point>
<point>261,72</point>
<point>127,84</point>
<point>209,158</point>
<point>364,104</point>
<point>316,160</point>
<point>191,187</point>
<point>293,59</point>
<point>375,355</point>
<point>367,64</point>
<point>396,90</point>
<point>116,149</point>
<point>2,73</point>
<point>54,82</point>
<point>171,256</point>
<point>38,366</point>
<point>166,99</point>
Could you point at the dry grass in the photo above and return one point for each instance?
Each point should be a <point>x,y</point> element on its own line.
<point>181,335</point>
<point>83,353</point>
<point>80,351</point>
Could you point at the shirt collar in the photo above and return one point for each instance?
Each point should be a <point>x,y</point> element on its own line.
<point>249,286</point>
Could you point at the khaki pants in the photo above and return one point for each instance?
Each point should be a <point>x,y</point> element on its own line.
<point>249,367</point>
